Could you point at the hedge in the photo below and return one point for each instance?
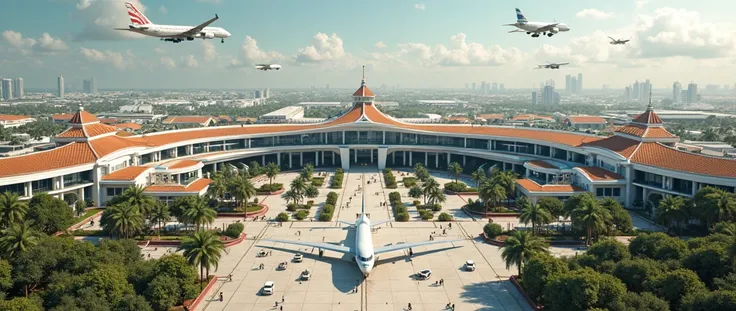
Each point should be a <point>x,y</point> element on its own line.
<point>456,186</point>
<point>444,217</point>
<point>271,188</point>
<point>426,214</point>
<point>301,214</point>
<point>390,179</point>
<point>282,217</point>
<point>234,230</point>
<point>326,213</point>
<point>336,182</point>
<point>410,181</point>
<point>332,198</point>
<point>492,230</point>
<point>318,181</point>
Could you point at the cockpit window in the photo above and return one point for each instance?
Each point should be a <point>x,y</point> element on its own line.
<point>365,259</point>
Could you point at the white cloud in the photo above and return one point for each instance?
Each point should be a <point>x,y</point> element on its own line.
<point>168,62</point>
<point>159,51</point>
<point>163,9</point>
<point>190,62</point>
<point>324,48</point>
<point>16,40</point>
<point>253,54</point>
<point>48,43</point>
<point>105,57</point>
<point>45,44</point>
<point>209,50</point>
<point>380,45</point>
<point>459,53</point>
<point>640,3</point>
<point>420,6</point>
<point>99,17</point>
<point>594,14</point>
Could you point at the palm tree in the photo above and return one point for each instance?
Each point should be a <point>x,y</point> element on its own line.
<point>11,209</point>
<point>298,186</point>
<point>533,213</point>
<point>507,180</point>
<point>160,214</point>
<point>727,228</point>
<point>290,195</point>
<point>591,216</point>
<point>455,169</point>
<point>218,187</point>
<point>415,192</point>
<point>671,208</point>
<point>199,213</point>
<point>203,249</point>
<point>271,171</point>
<point>307,172</point>
<point>477,177</point>
<point>436,196</point>
<point>718,205</point>
<point>124,219</point>
<point>311,192</point>
<point>491,193</point>
<point>18,238</point>
<point>243,190</point>
<point>519,246</point>
<point>429,186</point>
<point>136,196</point>
<point>709,135</point>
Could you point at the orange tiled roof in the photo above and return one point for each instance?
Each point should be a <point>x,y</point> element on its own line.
<point>542,164</point>
<point>180,164</point>
<point>618,144</point>
<point>62,116</point>
<point>132,126</point>
<point>108,121</point>
<point>586,120</point>
<point>648,117</point>
<point>364,91</point>
<point>12,117</point>
<point>82,117</point>
<point>645,131</point>
<point>531,117</point>
<point>123,133</point>
<point>658,155</point>
<point>195,187</point>
<point>597,173</point>
<point>632,129</point>
<point>72,132</point>
<point>658,132</point>
<point>187,120</point>
<point>97,129</point>
<point>129,173</point>
<point>69,155</point>
<point>532,186</point>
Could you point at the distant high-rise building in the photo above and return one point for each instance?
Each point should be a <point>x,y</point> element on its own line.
<point>676,92</point>
<point>534,97</point>
<point>473,86</point>
<point>501,87</point>
<point>93,85</point>
<point>483,86</point>
<point>495,86</point>
<point>549,96</point>
<point>579,85</point>
<point>257,94</point>
<point>692,93</point>
<point>60,86</point>
<point>568,84</point>
<point>266,93</point>
<point>18,88</point>
<point>627,93</point>
<point>7,86</point>
<point>85,86</point>
<point>635,91</point>
<point>646,89</point>
<point>573,85</point>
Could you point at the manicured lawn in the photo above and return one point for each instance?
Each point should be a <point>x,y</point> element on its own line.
<point>253,208</point>
<point>88,213</point>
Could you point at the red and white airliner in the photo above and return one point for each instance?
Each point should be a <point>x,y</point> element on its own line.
<point>172,33</point>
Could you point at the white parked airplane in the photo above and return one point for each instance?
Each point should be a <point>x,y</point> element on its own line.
<point>363,251</point>
<point>142,25</point>
<point>266,67</point>
<point>552,65</point>
<point>535,28</point>
<point>615,41</point>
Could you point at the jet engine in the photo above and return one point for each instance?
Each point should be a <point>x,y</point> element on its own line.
<point>207,35</point>
<point>554,30</point>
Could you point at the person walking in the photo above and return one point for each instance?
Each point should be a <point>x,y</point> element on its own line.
<point>221,297</point>
<point>410,306</point>
<point>282,298</point>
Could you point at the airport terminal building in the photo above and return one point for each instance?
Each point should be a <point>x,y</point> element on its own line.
<point>635,165</point>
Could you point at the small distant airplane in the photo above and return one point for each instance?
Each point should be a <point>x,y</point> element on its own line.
<point>266,67</point>
<point>616,42</point>
<point>171,33</point>
<point>535,28</point>
<point>552,65</point>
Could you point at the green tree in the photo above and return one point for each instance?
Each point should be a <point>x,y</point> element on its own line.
<point>708,262</point>
<point>507,180</point>
<point>492,230</point>
<point>203,249</point>
<point>311,192</point>
<point>645,301</point>
<point>20,304</point>
<point>636,272</point>
<point>243,190</point>
<point>477,177</point>
<point>11,209</point>
<point>717,205</point>
<point>455,169</point>
<point>429,188</point>
<point>137,196</point>
<point>553,205</point>
<point>163,292</point>
<point>672,286</point>
<point>6,275</point>
<point>49,214</point>
<point>198,213</point>
<point>620,218</point>
<point>123,219</point>
<point>219,186</point>
<point>533,213</point>
<point>109,282</point>
<point>298,186</point>
<point>590,216</point>
<point>538,272</point>
<point>307,171</point>
<point>272,170</point>
<point>415,192</point>
<point>290,195</point>
<point>491,193</point>
<point>709,134</point>
<point>609,250</point>
<point>177,267</point>
<point>421,172</point>
<point>658,246</point>
<point>708,301</point>
<point>160,215</point>
<point>519,246</point>
<point>727,282</point>
<point>725,228</point>
<point>133,303</point>
<point>80,207</point>
<point>17,239</point>
<point>583,289</point>
<point>671,209</point>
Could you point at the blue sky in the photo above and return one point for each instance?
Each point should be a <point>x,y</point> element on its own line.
<point>433,43</point>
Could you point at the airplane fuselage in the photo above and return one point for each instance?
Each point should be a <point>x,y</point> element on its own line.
<point>534,26</point>
<point>364,256</point>
<point>175,31</point>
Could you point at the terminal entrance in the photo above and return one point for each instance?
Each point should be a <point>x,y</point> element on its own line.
<point>363,157</point>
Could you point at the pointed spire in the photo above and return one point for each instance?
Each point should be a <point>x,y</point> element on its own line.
<point>362,82</point>
<point>649,108</point>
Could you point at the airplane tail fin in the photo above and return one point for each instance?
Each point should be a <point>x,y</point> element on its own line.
<point>136,16</point>
<point>520,17</point>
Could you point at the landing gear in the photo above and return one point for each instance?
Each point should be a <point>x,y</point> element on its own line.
<point>190,38</point>
<point>550,34</point>
<point>528,32</point>
<point>536,35</point>
<point>222,41</point>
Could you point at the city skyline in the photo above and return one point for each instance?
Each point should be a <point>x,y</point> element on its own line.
<point>671,41</point>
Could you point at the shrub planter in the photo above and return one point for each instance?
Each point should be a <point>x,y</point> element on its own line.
<point>490,214</point>
<point>450,192</point>
<point>521,290</point>
<point>261,212</point>
<point>271,192</point>
<point>227,243</point>
<point>191,305</point>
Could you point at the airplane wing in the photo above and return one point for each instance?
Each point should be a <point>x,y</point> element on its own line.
<point>380,223</point>
<point>327,246</point>
<point>612,38</point>
<point>397,247</point>
<point>546,27</point>
<point>199,28</point>
<point>350,224</point>
<point>560,64</point>
<point>517,30</point>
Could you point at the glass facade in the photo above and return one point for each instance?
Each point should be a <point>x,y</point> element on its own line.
<point>43,185</point>
<point>77,178</point>
<point>18,189</point>
<point>474,143</point>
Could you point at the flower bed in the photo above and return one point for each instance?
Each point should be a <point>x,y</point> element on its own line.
<point>259,212</point>
<point>492,214</point>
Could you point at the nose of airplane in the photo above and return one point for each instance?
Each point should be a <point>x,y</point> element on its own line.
<point>227,33</point>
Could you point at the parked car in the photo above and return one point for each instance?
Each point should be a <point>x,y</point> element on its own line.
<point>283,265</point>
<point>298,257</point>
<point>469,265</point>
<point>306,275</point>
<point>268,288</point>
<point>424,274</point>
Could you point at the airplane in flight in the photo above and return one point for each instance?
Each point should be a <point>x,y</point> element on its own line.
<point>266,67</point>
<point>364,253</point>
<point>142,25</point>
<point>616,42</point>
<point>551,65</point>
<point>536,28</point>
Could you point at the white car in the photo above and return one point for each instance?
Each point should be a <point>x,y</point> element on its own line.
<point>469,265</point>
<point>268,288</point>
<point>282,266</point>
<point>298,257</point>
<point>424,274</point>
<point>306,275</point>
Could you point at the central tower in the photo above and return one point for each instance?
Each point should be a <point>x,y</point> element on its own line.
<point>363,95</point>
